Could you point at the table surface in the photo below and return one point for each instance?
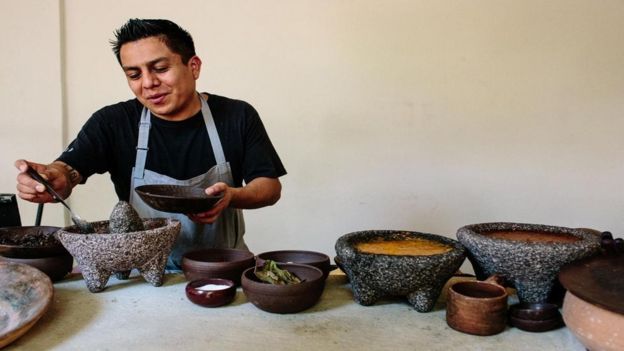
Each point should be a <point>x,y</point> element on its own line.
<point>134,315</point>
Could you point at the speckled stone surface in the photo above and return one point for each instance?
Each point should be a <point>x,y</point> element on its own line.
<point>124,219</point>
<point>101,254</point>
<point>419,278</point>
<point>530,267</point>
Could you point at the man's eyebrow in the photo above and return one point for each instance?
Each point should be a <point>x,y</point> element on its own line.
<point>150,63</point>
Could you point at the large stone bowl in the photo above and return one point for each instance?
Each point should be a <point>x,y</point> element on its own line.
<point>419,278</point>
<point>528,256</point>
<point>101,254</point>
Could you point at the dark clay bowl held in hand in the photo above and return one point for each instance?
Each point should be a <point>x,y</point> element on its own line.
<point>419,277</point>
<point>211,292</point>
<point>528,256</point>
<point>176,198</point>
<point>216,263</point>
<point>290,298</point>
<point>311,258</point>
<point>30,242</point>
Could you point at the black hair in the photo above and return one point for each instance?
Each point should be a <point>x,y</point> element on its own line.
<point>175,37</point>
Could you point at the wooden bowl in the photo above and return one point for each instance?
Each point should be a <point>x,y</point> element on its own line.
<point>176,198</point>
<point>216,263</point>
<point>290,298</point>
<point>211,292</point>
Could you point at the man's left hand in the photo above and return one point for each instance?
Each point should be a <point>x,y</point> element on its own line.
<point>211,215</point>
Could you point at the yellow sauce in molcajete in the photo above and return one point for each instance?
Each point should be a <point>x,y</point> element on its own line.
<point>409,247</point>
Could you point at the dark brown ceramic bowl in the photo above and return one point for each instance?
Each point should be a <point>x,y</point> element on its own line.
<point>55,267</point>
<point>311,258</point>
<point>536,326</point>
<point>290,298</point>
<point>200,292</point>
<point>30,242</point>
<point>176,198</point>
<point>534,311</point>
<point>216,263</point>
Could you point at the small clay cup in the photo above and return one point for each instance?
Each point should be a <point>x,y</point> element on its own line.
<point>211,298</point>
<point>477,307</point>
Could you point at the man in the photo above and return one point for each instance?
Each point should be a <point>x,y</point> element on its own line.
<point>170,134</point>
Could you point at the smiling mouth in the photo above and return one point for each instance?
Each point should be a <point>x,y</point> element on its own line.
<point>156,99</point>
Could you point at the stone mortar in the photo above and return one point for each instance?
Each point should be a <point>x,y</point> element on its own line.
<point>419,278</point>
<point>101,254</point>
<point>530,267</point>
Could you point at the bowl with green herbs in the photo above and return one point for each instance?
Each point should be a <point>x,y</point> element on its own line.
<point>283,287</point>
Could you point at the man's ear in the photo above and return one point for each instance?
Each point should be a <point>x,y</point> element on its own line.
<point>195,65</point>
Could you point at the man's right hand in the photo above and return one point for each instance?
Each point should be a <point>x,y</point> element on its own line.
<point>31,190</point>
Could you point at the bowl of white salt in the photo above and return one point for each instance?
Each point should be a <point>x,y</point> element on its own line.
<point>213,292</point>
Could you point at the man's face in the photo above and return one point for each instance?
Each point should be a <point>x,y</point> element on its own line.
<point>159,79</point>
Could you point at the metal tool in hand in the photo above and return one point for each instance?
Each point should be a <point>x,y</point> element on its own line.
<point>84,226</point>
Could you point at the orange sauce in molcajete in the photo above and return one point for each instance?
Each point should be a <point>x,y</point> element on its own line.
<point>408,247</point>
<point>533,237</point>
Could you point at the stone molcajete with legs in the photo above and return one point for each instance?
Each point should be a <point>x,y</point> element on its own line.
<point>419,275</point>
<point>120,245</point>
<point>528,256</point>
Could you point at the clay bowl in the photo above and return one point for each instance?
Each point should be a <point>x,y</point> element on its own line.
<point>25,295</point>
<point>311,258</point>
<point>101,254</point>
<point>418,277</point>
<point>216,263</point>
<point>176,198</point>
<point>477,307</point>
<point>55,267</point>
<point>30,242</point>
<point>595,327</point>
<point>290,298</point>
<point>211,292</point>
<point>528,256</point>
<point>534,311</point>
<point>536,326</point>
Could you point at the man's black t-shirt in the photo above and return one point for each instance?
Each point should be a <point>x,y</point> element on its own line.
<point>181,150</point>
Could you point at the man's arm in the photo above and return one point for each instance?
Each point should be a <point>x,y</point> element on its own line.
<point>61,176</point>
<point>260,192</point>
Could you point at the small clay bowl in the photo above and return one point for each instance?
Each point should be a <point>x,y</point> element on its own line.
<point>30,242</point>
<point>55,267</point>
<point>216,263</point>
<point>536,326</point>
<point>534,311</point>
<point>311,258</point>
<point>176,198</point>
<point>290,298</point>
<point>211,292</point>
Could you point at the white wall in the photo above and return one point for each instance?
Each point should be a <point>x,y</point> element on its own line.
<point>31,100</point>
<point>416,115</point>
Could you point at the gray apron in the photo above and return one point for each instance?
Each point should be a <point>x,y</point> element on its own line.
<point>226,232</point>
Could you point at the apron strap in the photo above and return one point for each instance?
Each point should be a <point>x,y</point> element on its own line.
<point>141,155</point>
<point>144,127</point>
<point>211,127</point>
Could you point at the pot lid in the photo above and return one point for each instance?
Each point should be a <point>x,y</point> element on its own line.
<point>597,280</point>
